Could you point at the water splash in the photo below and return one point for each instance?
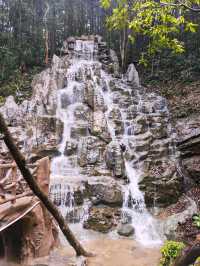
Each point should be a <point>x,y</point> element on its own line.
<point>134,208</point>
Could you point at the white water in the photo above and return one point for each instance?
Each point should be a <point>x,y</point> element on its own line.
<point>134,204</point>
<point>134,207</point>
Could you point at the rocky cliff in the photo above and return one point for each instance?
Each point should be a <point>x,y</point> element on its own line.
<point>97,127</point>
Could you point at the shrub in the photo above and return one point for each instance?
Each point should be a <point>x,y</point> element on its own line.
<point>196,220</point>
<point>170,251</point>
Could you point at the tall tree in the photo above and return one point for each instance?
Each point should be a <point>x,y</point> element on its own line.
<point>161,22</point>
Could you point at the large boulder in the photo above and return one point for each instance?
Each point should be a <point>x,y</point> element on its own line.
<point>116,117</point>
<point>189,146</point>
<point>102,219</point>
<point>126,230</point>
<point>98,126</point>
<point>108,193</point>
<point>132,76</point>
<point>115,63</point>
<point>175,215</point>
<point>161,183</point>
<point>114,159</point>
<point>90,151</point>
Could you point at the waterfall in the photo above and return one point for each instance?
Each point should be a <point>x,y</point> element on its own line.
<point>69,98</point>
<point>134,207</point>
<point>65,169</point>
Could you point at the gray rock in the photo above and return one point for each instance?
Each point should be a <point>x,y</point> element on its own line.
<point>132,76</point>
<point>169,225</point>
<point>114,159</point>
<point>115,61</point>
<point>90,151</point>
<point>109,194</point>
<point>102,219</point>
<point>126,230</point>
<point>70,148</point>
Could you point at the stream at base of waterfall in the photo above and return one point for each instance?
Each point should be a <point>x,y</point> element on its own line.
<point>65,171</point>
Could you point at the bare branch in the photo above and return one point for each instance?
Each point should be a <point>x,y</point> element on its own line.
<point>181,4</point>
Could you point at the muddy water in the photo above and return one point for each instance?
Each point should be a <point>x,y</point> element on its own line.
<point>122,252</point>
<point>108,252</point>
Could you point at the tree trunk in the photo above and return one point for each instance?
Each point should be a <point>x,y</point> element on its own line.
<point>46,35</point>
<point>21,163</point>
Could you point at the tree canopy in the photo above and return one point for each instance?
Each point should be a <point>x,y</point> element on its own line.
<point>161,22</point>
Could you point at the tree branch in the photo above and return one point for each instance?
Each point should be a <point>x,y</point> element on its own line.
<point>181,4</point>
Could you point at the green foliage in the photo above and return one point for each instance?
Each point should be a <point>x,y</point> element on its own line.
<point>170,251</point>
<point>18,85</point>
<point>196,220</point>
<point>8,63</point>
<point>161,24</point>
<point>105,3</point>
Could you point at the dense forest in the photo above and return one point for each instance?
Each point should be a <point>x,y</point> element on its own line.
<point>31,31</point>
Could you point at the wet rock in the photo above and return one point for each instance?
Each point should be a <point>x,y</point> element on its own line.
<point>114,159</point>
<point>44,151</point>
<point>79,130</point>
<point>70,148</point>
<point>90,151</point>
<point>171,220</point>
<point>105,193</point>
<point>192,166</point>
<point>116,117</point>
<point>103,219</point>
<point>79,196</point>
<point>132,112</point>
<point>161,183</point>
<point>132,76</point>
<point>115,63</point>
<point>98,126</point>
<point>82,112</point>
<point>93,98</point>
<point>159,130</point>
<point>160,104</point>
<point>65,101</point>
<point>126,230</point>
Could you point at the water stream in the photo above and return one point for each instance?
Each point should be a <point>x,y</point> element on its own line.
<point>65,170</point>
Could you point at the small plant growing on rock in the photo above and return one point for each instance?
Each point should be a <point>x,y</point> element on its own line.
<point>170,252</point>
<point>196,220</point>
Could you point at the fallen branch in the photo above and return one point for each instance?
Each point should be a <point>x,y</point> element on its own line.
<point>21,163</point>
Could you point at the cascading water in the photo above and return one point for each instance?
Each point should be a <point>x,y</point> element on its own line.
<point>134,207</point>
<point>65,167</point>
<point>68,99</point>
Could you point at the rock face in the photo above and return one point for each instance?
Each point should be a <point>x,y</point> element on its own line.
<point>27,227</point>
<point>189,146</point>
<point>31,237</point>
<point>173,216</point>
<point>97,122</point>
